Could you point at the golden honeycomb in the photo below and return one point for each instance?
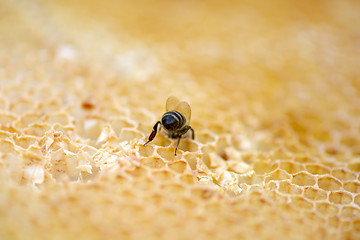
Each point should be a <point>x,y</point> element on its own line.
<point>275,95</point>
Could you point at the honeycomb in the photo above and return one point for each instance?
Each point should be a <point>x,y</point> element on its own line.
<point>275,97</point>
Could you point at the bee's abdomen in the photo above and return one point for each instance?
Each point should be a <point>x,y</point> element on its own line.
<point>173,120</point>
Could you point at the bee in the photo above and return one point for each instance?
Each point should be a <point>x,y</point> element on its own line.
<point>174,121</point>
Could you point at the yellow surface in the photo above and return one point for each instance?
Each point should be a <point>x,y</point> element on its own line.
<point>274,90</point>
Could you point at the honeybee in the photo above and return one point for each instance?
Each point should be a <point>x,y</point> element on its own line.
<point>174,121</point>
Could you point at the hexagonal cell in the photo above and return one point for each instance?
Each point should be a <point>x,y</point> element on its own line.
<point>119,123</point>
<point>315,194</point>
<point>357,225</point>
<point>291,167</point>
<point>141,116</point>
<point>288,188</point>
<point>350,141</point>
<point>188,145</point>
<point>204,137</point>
<point>168,153</point>
<point>152,162</point>
<point>60,118</point>
<point>26,119</point>
<point>92,127</point>
<point>329,183</point>
<point>187,178</point>
<point>146,151</point>
<point>24,141</point>
<point>22,106</point>
<point>130,134</point>
<point>49,106</point>
<point>202,193</point>
<point>317,169</point>
<point>138,171</point>
<point>301,202</point>
<point>304,179</point>
<point>354,165</point>
<point>159,140</point>
<point>37,129</point>
<point>278,175</point>
<point>6,146</point>
<point>220,146</point>
<point>178,166</point>
<point>109,111</point>
<point>340,197</point>
<point>7,119</point>
<point>163,175</point>
<point>343,175</point>
<point>334,221</point>
<point>263,167</point>
<point>350,212</point>
<point>326,209</point>
<point>192,159</point>
<point>357,200</point>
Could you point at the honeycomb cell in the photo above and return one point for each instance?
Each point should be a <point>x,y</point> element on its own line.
<point>326,209</point>
<point>357,200</point>
<point>350,141</point>
<point>342,174</point>
<point>37,129</point>
<point>22,106</point>
<point>304,179</point>
<point>129,134</point>
<point>192,159</point>
<point>187,178</point>
<point>60,118</point>
<point>263,167</point>
<point>6,146</point>
<point>315,194</point>
<point>278,175</point>
<point>92,128</point>
<point>329,183</point>
<point>354,165</point>
<point>221,144</point>
<point>163,175</point>
<point>202,193</point>
<point>317,169</point>
<point>357,225</point>
<point>152,162</point>
<point>25,141</point>
<point>288,188</point>
<point>49,106</point>
<point>340,197</point>
<point>188,145</point>
<point>138,171</point>
<point>204,137</point>
<point>5,134</point>
<point>178,166</point>
<point>334,221</point>
<point>167,153</point>
<point>350,212</point>
<point>27,119</point>
<point>7,119</point>
<point>146,151</point>
<point>291,167</point>
<point>301,202</point>
<point>119,123</point>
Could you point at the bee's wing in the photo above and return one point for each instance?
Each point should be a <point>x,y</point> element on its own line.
<point>171,103</point>
<point>184,109</point>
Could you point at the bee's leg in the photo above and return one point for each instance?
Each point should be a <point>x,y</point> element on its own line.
<point>153,133</point>
<point>187,128</point>
<point>177,145</point>
<point>193,133</point>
